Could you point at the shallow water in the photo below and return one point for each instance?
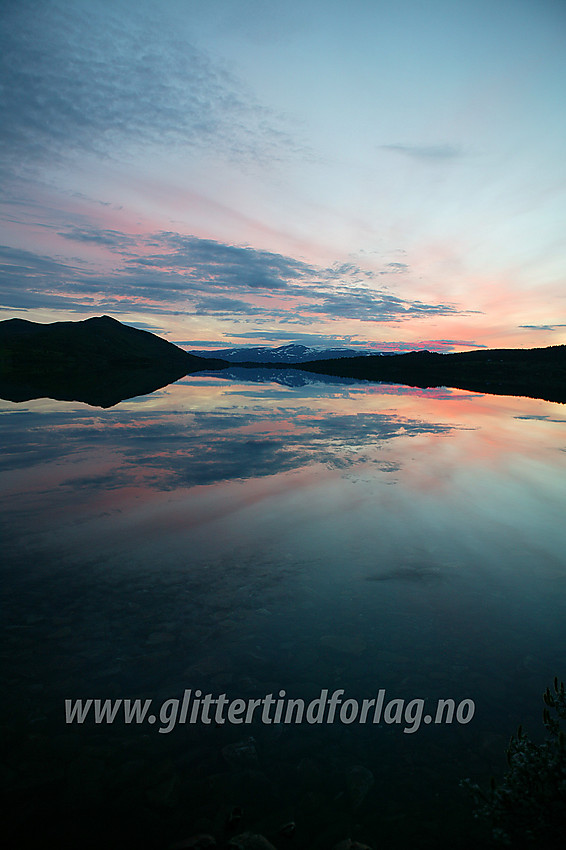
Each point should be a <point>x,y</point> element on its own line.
<point>247,539</point>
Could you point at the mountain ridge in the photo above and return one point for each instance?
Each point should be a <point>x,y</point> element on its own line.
<point>66,345</point>
<point>533,372</point>
<point>102,361</point>
<point>289,353</point>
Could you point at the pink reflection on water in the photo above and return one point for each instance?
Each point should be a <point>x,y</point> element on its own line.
<point>205,457</point>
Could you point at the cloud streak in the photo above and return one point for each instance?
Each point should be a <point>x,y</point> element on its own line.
<point>84,78</point>
<point>431,153</point>
<point>112,239</point>
<point>542,327</point>
<point>215,263</point>
<point>203,277</point>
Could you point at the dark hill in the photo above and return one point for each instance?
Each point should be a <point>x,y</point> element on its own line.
<point>534,372</point>
<point>99,361</point>
<point>98,341</point>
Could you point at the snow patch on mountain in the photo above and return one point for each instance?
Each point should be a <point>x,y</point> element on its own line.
<point>291,353</point>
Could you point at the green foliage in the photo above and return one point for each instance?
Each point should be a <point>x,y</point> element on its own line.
<point>528,807</point>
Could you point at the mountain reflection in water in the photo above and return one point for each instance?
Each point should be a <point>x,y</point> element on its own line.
<point>246,538</point>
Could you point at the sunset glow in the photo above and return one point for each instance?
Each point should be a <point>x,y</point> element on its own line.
<point>388,176</point>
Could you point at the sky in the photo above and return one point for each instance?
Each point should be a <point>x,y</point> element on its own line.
<point>387,175</point>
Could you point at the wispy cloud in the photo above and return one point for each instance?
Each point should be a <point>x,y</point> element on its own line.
<point>29,280</point>
<point>79,77</point>
<point>371,306</point>
<point>434,153</point>
<point>215,263</point>
<point>97,236</point>
<point>203,277</point>
<point>542,327</point>
<point>223,306</point>
<point>280,337</point>
<point>395,268</point>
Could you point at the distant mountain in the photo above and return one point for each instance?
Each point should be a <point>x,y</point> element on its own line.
<point>292,353</point>
<point>99,361</point>
<point>534,372</point>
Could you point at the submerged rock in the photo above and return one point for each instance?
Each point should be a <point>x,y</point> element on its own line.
<point>288,829</point>
<point>242,753</point>
<point>234,817</point>
<point>166,794</point>
<point>309,774</point>
<point>250,841</point>
<point>359,781</point>
<point>162,790</point>
<point>313,802</point>
<point>248,787</point>
<point>349,844</point>
<point>195,842</point>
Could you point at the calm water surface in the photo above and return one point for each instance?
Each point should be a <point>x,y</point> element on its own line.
<point>247,538</point>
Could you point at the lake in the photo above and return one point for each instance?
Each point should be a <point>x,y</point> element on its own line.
<point>251,539</point>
